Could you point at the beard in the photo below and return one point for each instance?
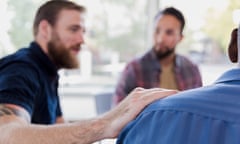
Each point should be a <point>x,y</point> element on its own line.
<point>60,54</point>
<point>162,55</point>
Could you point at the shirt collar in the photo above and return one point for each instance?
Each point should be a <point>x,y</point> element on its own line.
<point>231,75</point>
<point>43,60</point>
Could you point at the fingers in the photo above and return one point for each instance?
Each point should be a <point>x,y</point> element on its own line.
<point>143,96</point>
<point>151,89</point>
<point>157,89</point>
<point>138,89</point>
<point>153,95</point>
<point>133,104</point>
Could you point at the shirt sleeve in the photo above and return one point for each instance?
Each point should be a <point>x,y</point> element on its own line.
<point>59,109</point>
<point>19,85</point>
<point>126,84</point>
<point>178,127</point>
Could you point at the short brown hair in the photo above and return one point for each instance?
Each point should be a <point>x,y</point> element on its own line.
<point>173,12</point>
<point>50,10</point>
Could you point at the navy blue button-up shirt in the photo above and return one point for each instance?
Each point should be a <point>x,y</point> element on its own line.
<point>207,115</point>
<point>29,79</point>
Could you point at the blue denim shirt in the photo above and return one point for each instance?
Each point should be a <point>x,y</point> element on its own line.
<point>207,115</point>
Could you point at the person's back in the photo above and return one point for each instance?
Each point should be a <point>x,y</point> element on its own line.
<point>207,115</point>
<point>200,116</point>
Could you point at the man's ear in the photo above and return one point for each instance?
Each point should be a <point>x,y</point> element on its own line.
<point>45,30</point>
<point>181,38</point>
<point>233,46</point>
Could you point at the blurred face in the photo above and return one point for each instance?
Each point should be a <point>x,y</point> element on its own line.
<point>66,39</point>
<point>167,35</point>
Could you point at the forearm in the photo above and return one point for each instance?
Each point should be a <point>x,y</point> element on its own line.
<point>78,133</point>
<point>16,129</point>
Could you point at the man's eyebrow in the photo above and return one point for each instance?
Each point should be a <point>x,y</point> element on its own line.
<point>76,26</point>
<point>7,110</point>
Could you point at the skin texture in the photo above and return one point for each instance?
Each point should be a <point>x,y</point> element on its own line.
<point>167,35</point>
<point>17,129</point>
<point>15,126</point>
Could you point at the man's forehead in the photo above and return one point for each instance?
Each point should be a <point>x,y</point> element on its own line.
<point>74,16</point>
<point>167,22</point>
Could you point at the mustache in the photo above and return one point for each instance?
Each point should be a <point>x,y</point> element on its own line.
<point>76,47</point>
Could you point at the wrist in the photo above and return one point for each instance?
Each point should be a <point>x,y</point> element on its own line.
<point>100,127</point>
<point>112,124</point>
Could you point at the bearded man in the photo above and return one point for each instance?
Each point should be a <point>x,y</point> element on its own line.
<point>29,101</point>
<point>161,66</point>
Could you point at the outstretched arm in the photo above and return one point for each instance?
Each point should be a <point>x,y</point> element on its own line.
<point>16,129</point>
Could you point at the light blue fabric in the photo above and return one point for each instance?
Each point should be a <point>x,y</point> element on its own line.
<point>207,115</point>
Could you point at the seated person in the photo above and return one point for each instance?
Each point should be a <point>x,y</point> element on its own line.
<point>207,115</point>
<point>161,66</point>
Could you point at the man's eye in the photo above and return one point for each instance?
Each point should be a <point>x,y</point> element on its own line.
<point>74,29</point>
<point>169,32</point>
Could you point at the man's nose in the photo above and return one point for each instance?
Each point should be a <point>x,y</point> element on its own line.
<point>160,37</point>
<point>80,38</point>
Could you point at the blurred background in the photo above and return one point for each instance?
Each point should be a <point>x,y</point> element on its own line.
<point>118,31</point>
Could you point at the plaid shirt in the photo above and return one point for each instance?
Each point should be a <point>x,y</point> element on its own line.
<point>145,71</point>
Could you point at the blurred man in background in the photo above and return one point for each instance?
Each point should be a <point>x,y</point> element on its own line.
<point>161,66</point>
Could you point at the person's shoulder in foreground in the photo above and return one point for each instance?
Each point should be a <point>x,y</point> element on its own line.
<point>207,115</point>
